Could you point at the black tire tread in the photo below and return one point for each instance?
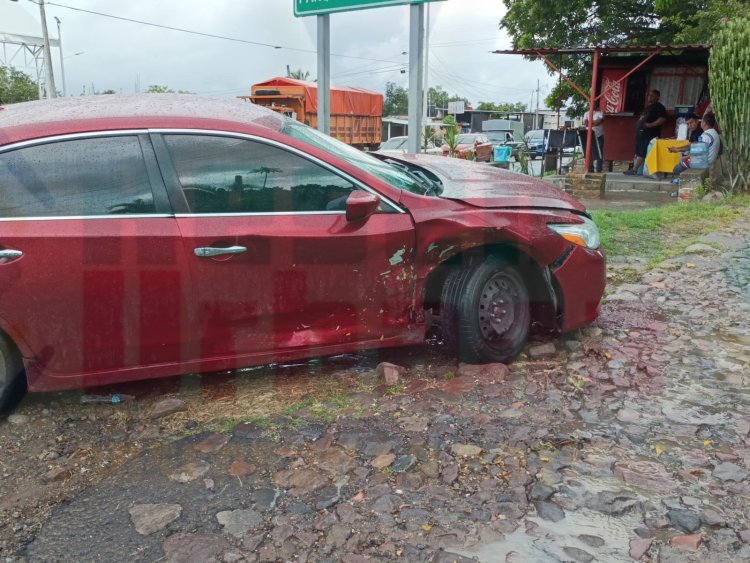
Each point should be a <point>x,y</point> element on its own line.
<point>471,347</point>
<point>453,289</point>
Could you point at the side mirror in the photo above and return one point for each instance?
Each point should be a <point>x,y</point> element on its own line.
<point>360,205</point>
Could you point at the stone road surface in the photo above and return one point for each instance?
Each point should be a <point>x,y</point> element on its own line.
<point>625,441</point>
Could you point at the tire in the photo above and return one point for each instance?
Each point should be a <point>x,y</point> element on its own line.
<point>480,337</point>
<point>12,380</point>
<point>453,288</point>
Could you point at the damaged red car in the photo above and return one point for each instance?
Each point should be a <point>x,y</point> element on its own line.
<point>150,236</point>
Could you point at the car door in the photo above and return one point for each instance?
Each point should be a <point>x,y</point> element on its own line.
<point>91,261</point>
<point>276,266</point>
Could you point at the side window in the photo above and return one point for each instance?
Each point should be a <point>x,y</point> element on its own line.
<point>79,177</point>
<point>229,175</point>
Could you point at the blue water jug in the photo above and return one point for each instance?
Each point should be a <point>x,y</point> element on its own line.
<point>699,155</point>
<point>501,153</point>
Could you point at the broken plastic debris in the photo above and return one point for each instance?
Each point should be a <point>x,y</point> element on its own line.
<point>113,399</point>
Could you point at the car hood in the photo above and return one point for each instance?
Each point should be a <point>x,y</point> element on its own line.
<point>482,185</point>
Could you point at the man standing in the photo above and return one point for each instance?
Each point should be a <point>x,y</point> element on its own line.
<point>647,128</point>
<point>597,151</point>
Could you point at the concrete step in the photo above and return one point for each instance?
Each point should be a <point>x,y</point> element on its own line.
<point>619,182</point>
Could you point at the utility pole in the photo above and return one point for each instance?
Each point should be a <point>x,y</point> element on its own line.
<point>324,73</point>
<point>51,91</point>
<point>426,101</point>
<point>62,64</point>
<point>416,78</point>
<point>536,115</point>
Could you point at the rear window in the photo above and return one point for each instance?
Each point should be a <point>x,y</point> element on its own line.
<point>80,177</point>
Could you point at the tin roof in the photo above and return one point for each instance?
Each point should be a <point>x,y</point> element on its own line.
<point>603,49</point>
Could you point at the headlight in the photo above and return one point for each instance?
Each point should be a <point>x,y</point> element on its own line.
<point>584,234</point>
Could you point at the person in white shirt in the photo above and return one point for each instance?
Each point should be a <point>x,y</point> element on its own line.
<point>597,150</point>
<point>710,136</point>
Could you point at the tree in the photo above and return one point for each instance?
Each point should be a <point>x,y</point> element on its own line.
<point>16,86</point>
<point>158,89</point>
<point>395,100</point>
<point>575,23</point>
<point>502,108</point>
<point>729,75</point>
<point>298,74</point>
<point>439,98</point>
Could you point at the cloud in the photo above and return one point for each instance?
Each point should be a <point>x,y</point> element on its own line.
<point>119,54</point>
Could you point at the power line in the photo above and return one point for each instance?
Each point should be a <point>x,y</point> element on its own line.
<point>212,35</point>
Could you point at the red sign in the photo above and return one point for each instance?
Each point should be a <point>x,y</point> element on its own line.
<point>613,90</point>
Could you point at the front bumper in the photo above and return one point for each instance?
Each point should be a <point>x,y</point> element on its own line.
<point>580,279</point>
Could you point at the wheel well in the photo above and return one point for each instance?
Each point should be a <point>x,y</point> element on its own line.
<point>543,295</point>
<point>15,389</point>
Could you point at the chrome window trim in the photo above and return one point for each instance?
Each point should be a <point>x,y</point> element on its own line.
<point>302,154</point>
<point>72,136</point>
<point>258,214</point>
<point>79,217</point>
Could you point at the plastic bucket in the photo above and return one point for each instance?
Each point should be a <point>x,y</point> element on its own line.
<point>501,154</point>
<point>699,155</point>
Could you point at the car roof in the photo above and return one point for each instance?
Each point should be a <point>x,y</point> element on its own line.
<point>109,111</point>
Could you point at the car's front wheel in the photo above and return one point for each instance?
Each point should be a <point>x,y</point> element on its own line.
<point>12,381</point>
<point>485,312</point>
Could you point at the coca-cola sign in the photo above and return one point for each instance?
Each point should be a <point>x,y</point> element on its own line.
<point>613,90</point>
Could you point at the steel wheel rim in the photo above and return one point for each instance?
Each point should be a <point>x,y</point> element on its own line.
<point>498,307</point>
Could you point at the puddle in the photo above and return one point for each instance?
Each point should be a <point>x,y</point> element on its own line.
<point>540,541</point>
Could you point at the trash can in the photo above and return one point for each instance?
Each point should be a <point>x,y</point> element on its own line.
<point>501,153</point>
<point>699,155</point>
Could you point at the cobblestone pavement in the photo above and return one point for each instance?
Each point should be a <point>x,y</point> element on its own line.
<point>628,440</point>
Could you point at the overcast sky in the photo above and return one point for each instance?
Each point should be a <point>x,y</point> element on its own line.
<point>119,55</point>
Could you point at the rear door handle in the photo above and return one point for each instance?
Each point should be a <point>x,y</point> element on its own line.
<point>9,254</point>
<point>209,251</point>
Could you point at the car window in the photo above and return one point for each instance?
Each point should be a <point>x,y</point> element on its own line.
<point>395,143</point>
<point>78,177</point>
<point>230,175</point>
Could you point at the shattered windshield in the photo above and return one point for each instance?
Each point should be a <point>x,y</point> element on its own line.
<point>393,175</point>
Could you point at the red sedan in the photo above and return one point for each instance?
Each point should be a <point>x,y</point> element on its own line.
<point>150,236</point>
<point>471,146</point>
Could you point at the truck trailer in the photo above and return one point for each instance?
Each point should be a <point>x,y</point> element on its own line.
<point>356,113</point>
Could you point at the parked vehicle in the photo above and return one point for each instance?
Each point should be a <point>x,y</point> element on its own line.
<point>535,143</point>
<point>399,144</point>
<point>155,235</point>
<point>505,139</point>
<point>475,146</point>
<point>504,132</point>
<point>356,113</point>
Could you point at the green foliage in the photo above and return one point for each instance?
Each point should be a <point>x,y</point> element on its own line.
<point>729,77</point>
<point>298,74</point>
<point>158,89</point>
<point>663,232</point>
<point>575,23</point>
<point>439,98</point>
<point>16,86</point>
<point>450,137</point>
<point>501,108</point>
<point>395,100</point>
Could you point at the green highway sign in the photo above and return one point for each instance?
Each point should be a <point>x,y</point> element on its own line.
<point>320,7</point>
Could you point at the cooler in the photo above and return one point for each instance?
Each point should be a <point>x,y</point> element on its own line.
<point>501,153</point>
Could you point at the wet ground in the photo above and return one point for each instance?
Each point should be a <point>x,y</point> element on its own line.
<point>628,440</point>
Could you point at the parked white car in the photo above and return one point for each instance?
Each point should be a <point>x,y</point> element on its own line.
<point>398,144</point>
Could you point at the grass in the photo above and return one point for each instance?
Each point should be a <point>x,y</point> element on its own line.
<point>657,234</point>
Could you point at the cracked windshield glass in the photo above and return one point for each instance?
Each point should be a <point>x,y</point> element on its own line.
<point>427,281</point>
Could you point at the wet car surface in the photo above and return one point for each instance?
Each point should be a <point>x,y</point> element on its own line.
<point>199,235</point>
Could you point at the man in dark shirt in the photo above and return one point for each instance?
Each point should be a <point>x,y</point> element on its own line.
<point>647,128</point>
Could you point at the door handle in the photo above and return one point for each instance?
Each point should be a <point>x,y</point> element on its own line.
<point>209,251</point>
<point>9,254</point>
